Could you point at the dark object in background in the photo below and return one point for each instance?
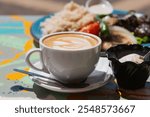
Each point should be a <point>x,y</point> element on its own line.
<point>142,30</point>
<point>135,22</point>
<point>36,43</point>
<point>129,74</point>
<point>128,22</point>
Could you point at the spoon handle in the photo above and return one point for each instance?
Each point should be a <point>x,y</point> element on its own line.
<point>29,73</point>
<point>46,78</point>
<point>49,81</point>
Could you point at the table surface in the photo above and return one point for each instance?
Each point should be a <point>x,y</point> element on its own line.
<point>15,41</point>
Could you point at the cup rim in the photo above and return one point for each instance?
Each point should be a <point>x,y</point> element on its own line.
<point>80,33</point>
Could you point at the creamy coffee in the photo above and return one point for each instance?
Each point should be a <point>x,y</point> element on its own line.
<point>70,41</point>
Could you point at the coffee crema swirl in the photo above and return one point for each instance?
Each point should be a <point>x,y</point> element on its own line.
<point>70,41</point>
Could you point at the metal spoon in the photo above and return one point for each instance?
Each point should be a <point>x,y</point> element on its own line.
<point>41,77</point>
<point>48,80</point>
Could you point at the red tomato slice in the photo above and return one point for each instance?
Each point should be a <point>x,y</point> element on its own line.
<point>93,28</point>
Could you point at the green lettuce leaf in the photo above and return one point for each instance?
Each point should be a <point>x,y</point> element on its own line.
<point>144,39</point>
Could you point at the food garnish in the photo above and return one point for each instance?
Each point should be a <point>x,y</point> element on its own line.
<point>93,28</point>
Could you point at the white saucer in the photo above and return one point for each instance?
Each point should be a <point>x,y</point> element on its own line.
<point>101,76</point>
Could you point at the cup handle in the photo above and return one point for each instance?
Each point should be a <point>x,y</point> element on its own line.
<point>27,59</point>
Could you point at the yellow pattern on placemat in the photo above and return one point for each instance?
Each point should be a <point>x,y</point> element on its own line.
<point>27,24</point>
<point>6,61</point>
<point>28,45</point>
<point>25,90</point>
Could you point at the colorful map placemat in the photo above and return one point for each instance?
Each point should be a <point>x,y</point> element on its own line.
<point>15,41</point>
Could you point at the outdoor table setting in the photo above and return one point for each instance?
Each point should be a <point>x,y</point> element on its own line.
<point>120,69</point>
<point>16,41</point>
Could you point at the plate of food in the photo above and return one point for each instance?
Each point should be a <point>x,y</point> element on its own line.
<point>116,27</point>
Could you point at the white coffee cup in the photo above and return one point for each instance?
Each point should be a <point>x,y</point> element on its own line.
<point>68,66</point>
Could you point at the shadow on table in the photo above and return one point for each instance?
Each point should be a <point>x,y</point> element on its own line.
<point>17,88</point>
<point>107,92</point>
<point>138,94</point>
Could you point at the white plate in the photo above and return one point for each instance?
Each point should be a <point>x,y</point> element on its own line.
<point>101,76</point>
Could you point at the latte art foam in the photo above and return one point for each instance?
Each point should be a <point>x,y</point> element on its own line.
<point>70,42</point>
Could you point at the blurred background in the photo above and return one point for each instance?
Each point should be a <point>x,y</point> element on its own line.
<point>43,7</point>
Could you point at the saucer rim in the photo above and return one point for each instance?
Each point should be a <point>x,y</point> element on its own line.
<point>108,78</point>
<point>75,90</point>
